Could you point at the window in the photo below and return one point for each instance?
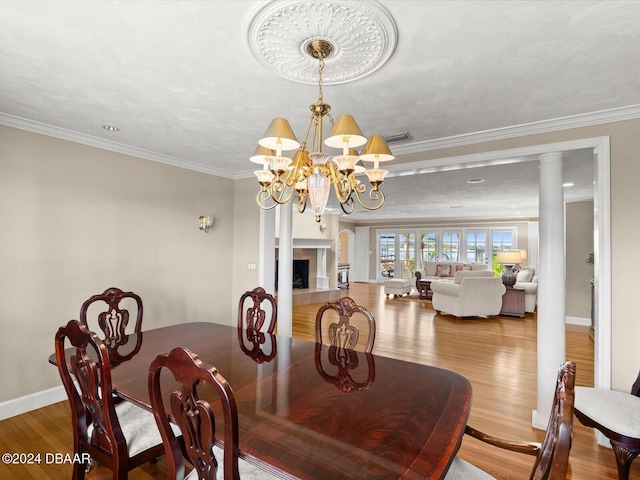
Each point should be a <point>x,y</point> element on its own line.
<point>501,240</point>
<point>386,254</point>
<point>401,252</point>
<point>476,246</point>
<point>397,254</point>
<point>406,255</point>
<point>450,246</point>
<point>428,246</point>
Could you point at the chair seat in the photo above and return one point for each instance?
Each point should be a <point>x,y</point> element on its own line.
<point>138,427</point>
<point>463,470</point>
<point>617,411</point>
<point>246,470</point>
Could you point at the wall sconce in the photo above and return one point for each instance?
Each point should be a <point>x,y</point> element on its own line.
<point>205,222</point>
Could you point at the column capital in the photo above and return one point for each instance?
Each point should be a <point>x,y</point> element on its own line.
<point>550,157</point>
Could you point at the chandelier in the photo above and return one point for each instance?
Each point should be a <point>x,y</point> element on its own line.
<point>311,172</point>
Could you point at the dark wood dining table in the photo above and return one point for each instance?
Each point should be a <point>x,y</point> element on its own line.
<point>311,411</point>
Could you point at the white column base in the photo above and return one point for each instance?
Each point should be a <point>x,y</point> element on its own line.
<point>539,421</point>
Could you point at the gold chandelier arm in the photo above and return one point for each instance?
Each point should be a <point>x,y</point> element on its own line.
<point>341,184</point>
<point>348,206</point>
<point>262,197</point>
<point>375,195</point>
<point>280,192</point>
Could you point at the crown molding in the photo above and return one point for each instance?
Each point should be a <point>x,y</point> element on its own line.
<point>64,134</point>
<point>545,126</point>
<point>575,121</point>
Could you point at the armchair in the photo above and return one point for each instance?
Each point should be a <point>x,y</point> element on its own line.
<point>469,294</point>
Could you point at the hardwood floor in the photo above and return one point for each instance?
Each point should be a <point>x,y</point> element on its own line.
<point>498,356</point>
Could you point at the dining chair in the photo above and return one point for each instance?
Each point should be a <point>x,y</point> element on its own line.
<point>120,437</point>
<point>615,414</point>
<point>251,319</point>
<point>552,456</point>
<point>114,321</point>
<point>344,333</point>
<point>196,420</point>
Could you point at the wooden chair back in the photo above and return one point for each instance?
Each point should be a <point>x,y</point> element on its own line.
<point>252,319</point>
<point>552,461</point>
<point>194,416</point>
<point>114,321</point>
<point>552,456</point>
<point>86,376</point>
<point>343,333</point>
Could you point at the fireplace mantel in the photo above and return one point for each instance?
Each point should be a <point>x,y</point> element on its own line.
<point>317,243</point>
<point>321,246</point>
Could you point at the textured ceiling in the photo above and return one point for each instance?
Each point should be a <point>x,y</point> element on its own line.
<point>179,80</point>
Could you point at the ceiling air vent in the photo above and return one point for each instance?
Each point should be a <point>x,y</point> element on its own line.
<point>398,137</point>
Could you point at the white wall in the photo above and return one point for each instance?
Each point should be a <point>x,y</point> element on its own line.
<point>75,220</point>
<point>246,234</point>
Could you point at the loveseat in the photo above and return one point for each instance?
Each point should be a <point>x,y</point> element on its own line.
<point>469,294</point>
<point>438,270</point>
<point>527,280</point>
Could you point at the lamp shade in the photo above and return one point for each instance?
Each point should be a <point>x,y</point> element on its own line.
<point>376,149</point>
<point>261,154</point>
<point>279,136</point>
<point>523,254</point>
<point>510,257</point>
<point>346,133</point>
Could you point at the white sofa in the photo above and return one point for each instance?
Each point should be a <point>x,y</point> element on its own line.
<point>429,270</point>
<point>469,294</point>
<point>527,280</point>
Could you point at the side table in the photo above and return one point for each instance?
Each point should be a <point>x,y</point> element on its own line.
<point>513,302</point>
<point>424,289</point>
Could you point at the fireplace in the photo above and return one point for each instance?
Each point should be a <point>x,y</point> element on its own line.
<point>300,274</point>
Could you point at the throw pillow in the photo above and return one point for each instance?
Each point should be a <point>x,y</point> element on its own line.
<point>443,270</point>
<point>464,268</point>
<point>525,275</point>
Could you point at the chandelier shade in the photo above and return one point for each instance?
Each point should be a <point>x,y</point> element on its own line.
<point>260,155</point>
<point>346,134</point>
<point>279,136</point>
<point>376,149</point>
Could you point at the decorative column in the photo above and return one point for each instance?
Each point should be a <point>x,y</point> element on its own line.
<point>322,281</point>
<point>360,268</point>
<point>551,285</point>
<point>285,271</point>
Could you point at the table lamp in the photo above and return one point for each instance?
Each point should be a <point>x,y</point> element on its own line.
<point>508,259</point>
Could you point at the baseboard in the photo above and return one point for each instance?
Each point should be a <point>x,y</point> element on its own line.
<point>585,322</point>
<point>25,404</point>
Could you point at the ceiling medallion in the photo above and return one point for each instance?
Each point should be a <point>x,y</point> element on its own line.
<point>362,34</point>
